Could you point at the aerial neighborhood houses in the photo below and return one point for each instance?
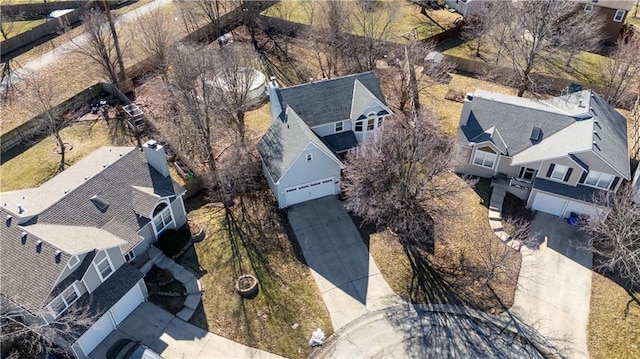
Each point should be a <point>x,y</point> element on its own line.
<point>71,242</point>
<point>556,154</point>
<point>613,12</point>
<point>312,125</point>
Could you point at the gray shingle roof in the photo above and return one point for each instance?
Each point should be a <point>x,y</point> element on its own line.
<point>114,184</point>
<point>27,276</point>
<point>284,141</point>
<point>328,101</point>
<point>568,116</point>
<point>144,200</point>
<point>582,193</point>
<point>342,141</point>
<point>105,296</point>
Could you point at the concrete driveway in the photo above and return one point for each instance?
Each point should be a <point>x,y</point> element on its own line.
<point>554,287</point>
<point>172,337</point>
<point>347,276</point>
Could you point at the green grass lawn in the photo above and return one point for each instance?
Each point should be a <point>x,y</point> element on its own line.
<point>288,306</point>
<point>614,323</point>
<point>38,163</point>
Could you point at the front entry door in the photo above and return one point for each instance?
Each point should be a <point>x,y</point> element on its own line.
<point>527,173</point>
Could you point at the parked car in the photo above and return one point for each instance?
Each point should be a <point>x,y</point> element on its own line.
<point>128,349</point>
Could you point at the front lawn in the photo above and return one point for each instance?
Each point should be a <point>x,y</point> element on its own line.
<point>458,272</point>
<point>288,306</point>
<point>614,321</point>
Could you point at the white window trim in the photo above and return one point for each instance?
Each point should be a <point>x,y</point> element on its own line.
<point>600,175</point>
<point>555,170</point>
<point>131,254</point>
<point>73,264</point>
<point>61,297</point>
<point>588,7</point>
<point>335,127</point>
<point>153,222</point>
<point>622,12</point>
<point>485,153</point>
<point>362,126</point>
<point>95,265</point>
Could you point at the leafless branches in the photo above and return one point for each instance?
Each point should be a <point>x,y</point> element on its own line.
<point>374,22</point>
<point>619,74</point>
<point>534,36</point>
<point>403,178</point>
<point>615,235</point>
<point>156,38</point>
<point>100,45</point>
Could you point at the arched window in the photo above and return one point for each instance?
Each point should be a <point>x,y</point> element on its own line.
<point>161,217</point>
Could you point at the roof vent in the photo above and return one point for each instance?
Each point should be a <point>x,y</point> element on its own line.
<point>66,191</point>
<point>121,154</point>
<point>87,177</point>
<point>38,246</point>
<point>23,237</point>
<point>100,203</point>
<point>20,209</point>
<point>535,134</point>
<point>58,256</point>
<point>104,165</point>
<point>9,220</point>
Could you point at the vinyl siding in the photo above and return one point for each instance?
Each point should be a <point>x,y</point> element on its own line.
<point>66,272</point>
<point>301,171</point>
<point>595,163</point>
<point>91,278</point>
<point>575,174</point>
<point>466,167</point>
<point>504,166</point>
<point>329,129</point>
<point>179,216</point>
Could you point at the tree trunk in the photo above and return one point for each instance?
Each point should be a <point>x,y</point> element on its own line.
<point>123,75</point>
<point>56,134</point>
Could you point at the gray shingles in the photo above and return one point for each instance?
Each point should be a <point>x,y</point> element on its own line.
<point>582,193</point>
<point>105,296</point>
<point>328,101</point>
<point>612,143</point>
<point>340,142</point>
<point>27,276</point>
<point>144,200</point>
<point>114,185</point>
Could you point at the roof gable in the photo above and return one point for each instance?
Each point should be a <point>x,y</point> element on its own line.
<point>284,141</point>
<point>329,101</point>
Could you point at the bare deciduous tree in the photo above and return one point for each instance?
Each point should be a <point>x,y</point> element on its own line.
<point>29,331</point>
<point>10,23</point>
<point>615,235</point>
<point>195,12</point>
<point>236,77</point>
<point>403,178</point>
<point>539,34</point>
<point>330,26</point>
<point>619,74</point>
<point>9,75</point>
<point>373,21</point>
<point>44,107</point>
<point>156,38</point>
<point>100,45</point>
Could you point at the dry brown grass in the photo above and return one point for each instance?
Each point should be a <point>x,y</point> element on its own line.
<point>288,294</point>
<point>614,321</point>
<point>456,271</point>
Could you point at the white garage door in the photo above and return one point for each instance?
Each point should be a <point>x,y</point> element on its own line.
<point>308,191</point>
<point>96,334</point>
<point>127,304</point>
<point>549,204</point>
<point>580,208</point>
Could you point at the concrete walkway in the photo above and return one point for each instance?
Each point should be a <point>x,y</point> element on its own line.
<point>554,286</point>
<point>347,276</point>
<point>430,331</point>
<point>191,284</point>
<point>174,338</point>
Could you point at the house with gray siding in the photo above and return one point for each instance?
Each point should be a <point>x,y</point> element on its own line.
<point>556,154</point>
<point>69,243</point>
<point>312,126</point>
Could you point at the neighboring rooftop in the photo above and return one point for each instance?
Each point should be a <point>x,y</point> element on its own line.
<point>573,123</point>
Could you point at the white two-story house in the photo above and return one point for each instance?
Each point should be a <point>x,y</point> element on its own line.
<point>312,125</point>
<point>68,243</point>
<point>556,154</point>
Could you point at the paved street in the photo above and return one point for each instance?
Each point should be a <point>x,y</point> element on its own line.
<point>172,337</point>
<point>347,276</point>
<point>554,287</point>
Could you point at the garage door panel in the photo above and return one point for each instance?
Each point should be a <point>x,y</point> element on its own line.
<point>308,191</point>
<point>549,204</point>
<point>580,208</point>
<point>127,304</point>
<point>96,334</point>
